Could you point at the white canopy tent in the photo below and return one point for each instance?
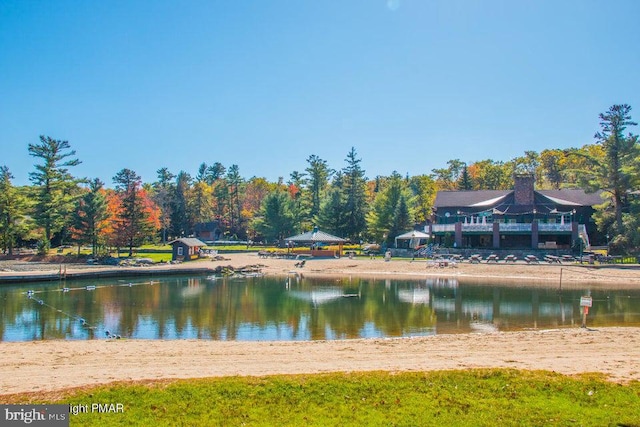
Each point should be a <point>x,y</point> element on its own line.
<point>414,237</point>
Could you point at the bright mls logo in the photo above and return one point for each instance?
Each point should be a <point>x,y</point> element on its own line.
<point>34,415</point>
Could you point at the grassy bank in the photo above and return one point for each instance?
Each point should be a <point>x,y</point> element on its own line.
<point>460,398</point>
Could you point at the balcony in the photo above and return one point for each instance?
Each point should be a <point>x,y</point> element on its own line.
<point>506,228</point>
<point>554,228</point>
<point>443,228</point>
<point>515,227</point>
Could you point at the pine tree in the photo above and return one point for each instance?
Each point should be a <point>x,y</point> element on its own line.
<point>465,182</point>
<point>276,218</point>
<point>55,188</point>
<point>318,172</point>
<point>163,193</point>
<point>13,207</point>
<point>134,220</point>
<point>401,221</point>
<point>355,201</point>
<point>620,151</point>
<point>90,216</point>
<point>330,218</point>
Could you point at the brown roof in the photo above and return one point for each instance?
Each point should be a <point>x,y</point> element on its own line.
<point>189,241</point>
<point>576,196</point>
<point>466,198</point>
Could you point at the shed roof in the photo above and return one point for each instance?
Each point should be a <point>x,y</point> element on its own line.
<point>189,241</point>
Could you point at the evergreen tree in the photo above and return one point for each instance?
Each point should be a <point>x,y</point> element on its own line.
<point>465,182</point>
<point>297,182</point>
<point>55,188</point>
<point>133,222</point>
<point>401,221</point>
<point>235,183</point>
<point>330,218</point>
<point>200,203</point>
<point>611,167</point>
<point>318,172</point>
<point>13,207</point>
<point>276,218</point>
<point>354,190</point>
<point>180,225</point>
<point>381,217</point>
<point>620,151</point>
<point>90,216</point>
<point>201,176</point>
<point>163,193</point>
<point>215,172</point>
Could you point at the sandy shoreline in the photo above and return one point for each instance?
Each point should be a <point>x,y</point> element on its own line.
<point>543,274</point>
<point>54,365</point>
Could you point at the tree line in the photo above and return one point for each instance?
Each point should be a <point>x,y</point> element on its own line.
<point>60,208</point>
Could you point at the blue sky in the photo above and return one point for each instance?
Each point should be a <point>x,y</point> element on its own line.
<point>265,84</point>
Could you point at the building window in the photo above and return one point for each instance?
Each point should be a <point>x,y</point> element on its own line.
<point>180,251</point>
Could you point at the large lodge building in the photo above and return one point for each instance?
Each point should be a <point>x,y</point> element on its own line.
<point>522,218</point>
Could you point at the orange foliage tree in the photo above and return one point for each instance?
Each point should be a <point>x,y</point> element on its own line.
<point>134,216</point>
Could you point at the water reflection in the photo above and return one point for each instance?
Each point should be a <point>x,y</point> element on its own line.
<point>293,308</point>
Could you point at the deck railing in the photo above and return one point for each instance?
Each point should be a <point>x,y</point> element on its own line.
<point>554,227</point>
<point>505,227</point>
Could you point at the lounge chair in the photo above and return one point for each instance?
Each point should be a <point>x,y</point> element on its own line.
<point>301,263</point>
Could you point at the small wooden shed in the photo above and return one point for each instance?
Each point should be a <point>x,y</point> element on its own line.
<point>186,248</point>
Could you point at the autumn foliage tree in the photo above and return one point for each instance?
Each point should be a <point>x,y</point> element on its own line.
<point>135,216</point>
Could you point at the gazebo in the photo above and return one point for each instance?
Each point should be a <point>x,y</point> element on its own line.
<point>414,237</point>
<point>312,238</point>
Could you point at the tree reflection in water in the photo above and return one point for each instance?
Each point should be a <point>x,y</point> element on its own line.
<point>294,308</point>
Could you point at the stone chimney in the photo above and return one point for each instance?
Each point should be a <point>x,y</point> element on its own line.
<point>523,189</point>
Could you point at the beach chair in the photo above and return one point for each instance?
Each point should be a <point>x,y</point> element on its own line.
<point>301,263</point>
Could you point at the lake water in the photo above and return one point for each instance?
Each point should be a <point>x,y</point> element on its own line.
<point>293,308</point>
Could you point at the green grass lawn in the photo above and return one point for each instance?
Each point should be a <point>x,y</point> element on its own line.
<point>448,398</point>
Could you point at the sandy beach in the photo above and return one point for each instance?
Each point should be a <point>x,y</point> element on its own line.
<point>520,273</point>
<point>50,366</point>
